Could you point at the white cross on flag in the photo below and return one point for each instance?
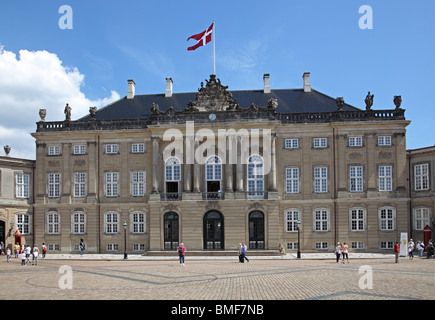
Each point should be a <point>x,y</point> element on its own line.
<point>203,38</point>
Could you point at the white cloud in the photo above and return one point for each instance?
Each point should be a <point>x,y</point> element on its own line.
<point>38,80</point>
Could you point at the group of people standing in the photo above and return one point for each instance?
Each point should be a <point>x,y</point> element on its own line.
<point>342,250</point>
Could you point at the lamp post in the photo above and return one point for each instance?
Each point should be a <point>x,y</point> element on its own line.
<point>298,255</point>
<point>125,239</point>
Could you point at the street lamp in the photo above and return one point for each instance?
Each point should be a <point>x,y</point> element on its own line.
<point>298,223</point>
<point>125,239</point>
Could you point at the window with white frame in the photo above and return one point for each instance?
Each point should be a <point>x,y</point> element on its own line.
<point>255,176</point>
<point>78,223</point>
<point>320,179</point>
<point>292,180</point>
<point>22,183</point>
<point>421,218</point>
<point>321,220</point>
<point>322,245</point>
<point>387,219</point>
<point>53,222</point>
<point>355,141</point>
<point>213,168</point>
<point>53,150</point>
<point>138,222</point>
<point>54,185</point>
<point>138,148</point>
<point>291,143</point>
<point>292,216</point>
<point>79,149</point>
<point>385,178</point>
<point>138,183</point>
<point>421,177</point>
<point>172,175</point>
<point>80,184</point>
<point>23,223</point>
<point>112,247</point>
<point>111,221</point>
<point>384,141</point>
<point>320,142</point>
<point>357,219</point>
<point>111,148</point>
<point>357,245</point>
<point>111,184</point>
<point>356,179</point>
<point>387,245</point>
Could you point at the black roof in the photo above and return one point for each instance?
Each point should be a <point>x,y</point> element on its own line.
<point>289,101</point>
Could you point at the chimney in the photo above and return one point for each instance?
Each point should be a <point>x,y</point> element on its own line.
<point>307,85</point>
<point>130,91</point>
<point>168,92</point>
<point>266,77</point>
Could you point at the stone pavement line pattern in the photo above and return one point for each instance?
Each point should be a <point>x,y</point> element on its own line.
<point>219,279</point>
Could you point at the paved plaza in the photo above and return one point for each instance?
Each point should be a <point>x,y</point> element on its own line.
<point>313,277</point>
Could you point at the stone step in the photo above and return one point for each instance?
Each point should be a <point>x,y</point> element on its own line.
<point>213,253</point>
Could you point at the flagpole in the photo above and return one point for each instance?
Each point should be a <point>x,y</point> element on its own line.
<point>214,51</point>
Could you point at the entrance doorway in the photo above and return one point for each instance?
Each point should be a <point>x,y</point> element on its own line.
<point>2,232</point>
<point>213,230</point>
<point>256,230</point>
<point>171,231</point>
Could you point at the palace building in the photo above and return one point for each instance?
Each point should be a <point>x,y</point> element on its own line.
<point>214,168</point>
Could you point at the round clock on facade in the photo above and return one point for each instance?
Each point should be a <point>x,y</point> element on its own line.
<point>212,116</point>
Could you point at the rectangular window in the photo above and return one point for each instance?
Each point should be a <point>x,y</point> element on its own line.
<point>53,223</point>
<point>356,179</point>
<point>292,180</point>
<point>320,142</point>
<point>111,184</point>
<point>79,184</point>
<point>387,244</point>
<point>421,177</point>
<point>357,220</point>
<point>79,149</point>
<point>138,184</point>
<point>53,150</point>
<point>421,218</point>
<point>138,220</point>
<point>291,143</point>
<point>320,180</point>
<point>111,148</point>
<point>111,222</point>
<point>357,245</point>
<point>385,178</point>
<point>321,245</point>
<point>112,247</point>
<point>22,185</point>
<point>321,220</point>
<point>79,223</point>
<point>292,217</point>
<point>23,223</point>
<point>138,148</point>
<point>355,141</point>
<point>384,141</point>
<point>386,219</point>
<point>54,185</point>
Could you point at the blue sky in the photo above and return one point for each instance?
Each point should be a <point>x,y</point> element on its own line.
<point>44,66</point>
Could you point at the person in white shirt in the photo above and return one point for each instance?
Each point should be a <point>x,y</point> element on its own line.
<point>35,256</point>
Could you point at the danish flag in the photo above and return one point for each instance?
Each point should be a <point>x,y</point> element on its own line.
<point>203,38</point>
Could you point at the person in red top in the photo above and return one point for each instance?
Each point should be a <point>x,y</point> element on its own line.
<point>396,251</point>
<point>181,250</point>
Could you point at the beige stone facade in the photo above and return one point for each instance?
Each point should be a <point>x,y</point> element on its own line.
<point>342,175</point>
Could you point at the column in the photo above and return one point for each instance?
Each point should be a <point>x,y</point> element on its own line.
<point>239,166</point>
<point>196,172</point>
<point>187,165</point>
<point>228,166</point>
<point>272,174</point>
<point>156,163</point>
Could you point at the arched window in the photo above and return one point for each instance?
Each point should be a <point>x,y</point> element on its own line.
<point>213,230</point>
<point>171,233</point>
<point>172,178</point>
<point>213,177</point>
<point>255,177</point>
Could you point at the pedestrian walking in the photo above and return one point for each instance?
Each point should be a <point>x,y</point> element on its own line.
<point>345,252</point>
<point>23,258</point>
<point>27,251</point>
<point>44,249</point>
<point>244,250</point>
<point>35,256</point>
<point>396,252</point>
<point>420,248</point>
<point>16,250</point>
<point>410,249</point>
<point>240,254</point>
<point>338,252</point>
<point>8,254</point>
<point>82,246</point>
<point>181,252</point>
